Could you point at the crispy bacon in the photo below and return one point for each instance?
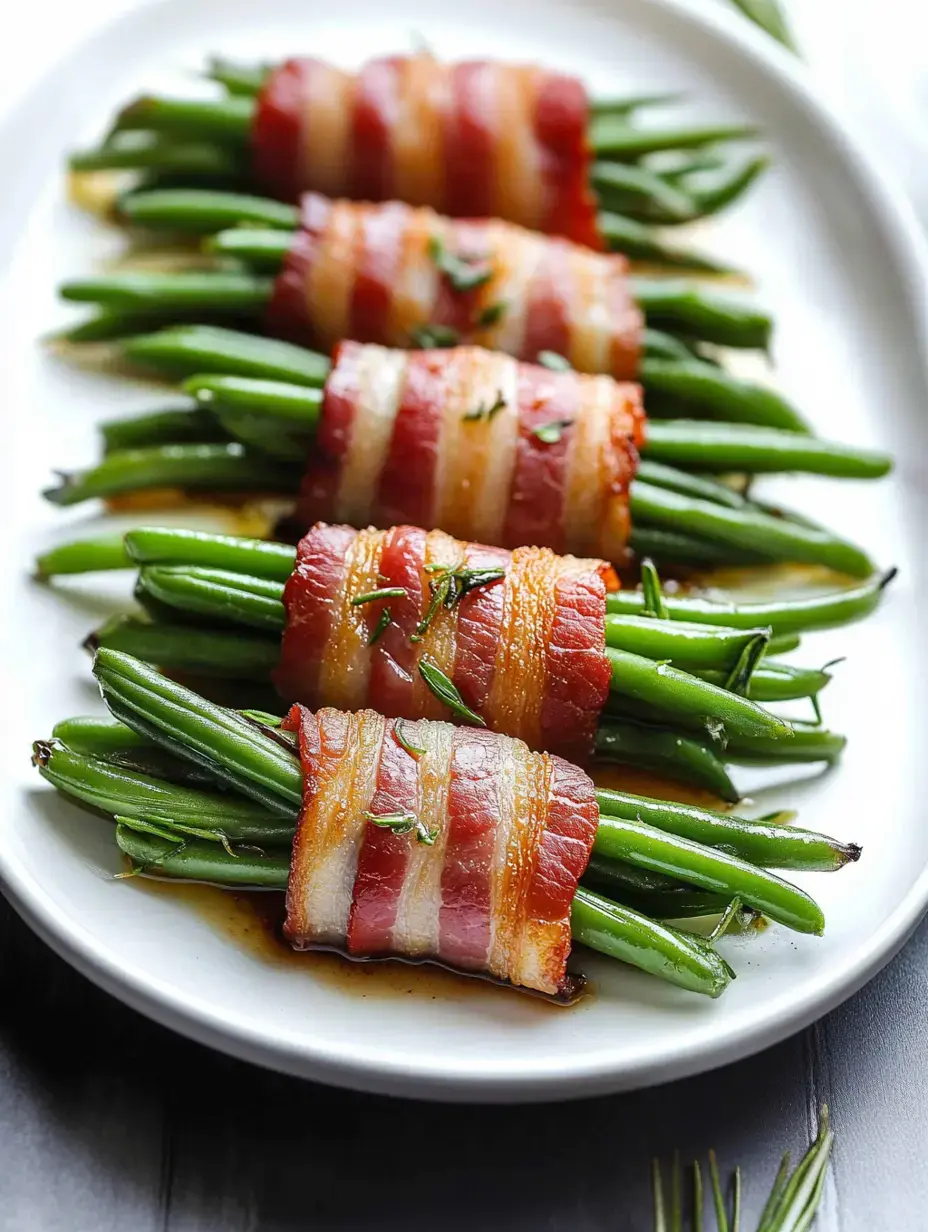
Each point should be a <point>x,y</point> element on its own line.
<point>477,443</point>
<point>479,139</point>
<point>525,651</point>
<point>496,840</point>
<point>394,273</point>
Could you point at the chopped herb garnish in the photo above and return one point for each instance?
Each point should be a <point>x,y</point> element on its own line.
<point>387,592</point>
<point>427,336</point>
<point>465,272</point>
<point>551,433</point>
<point>486,412</point>
<point>449,586</point>
<point>398,731</point>
<point>654,604</point>
<point>382,624</point>
<point>551,359</point>
<point>492,314</point>
<point>403,823</point>
<point>447,693</point>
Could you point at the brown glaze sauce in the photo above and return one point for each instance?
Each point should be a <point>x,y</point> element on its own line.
<point>253,921</point>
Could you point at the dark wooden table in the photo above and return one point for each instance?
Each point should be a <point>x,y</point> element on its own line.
<point>110,1122</point>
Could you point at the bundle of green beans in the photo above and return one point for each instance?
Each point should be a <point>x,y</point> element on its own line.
<point>251,422</point>
<point>678,376</point>
<point>643,177</point>
<point>686,696</point>
<point>156,771</point>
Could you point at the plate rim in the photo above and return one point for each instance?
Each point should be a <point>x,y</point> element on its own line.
<point>171,1008</point>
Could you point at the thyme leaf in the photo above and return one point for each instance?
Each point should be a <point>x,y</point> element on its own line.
<point>551,433</point>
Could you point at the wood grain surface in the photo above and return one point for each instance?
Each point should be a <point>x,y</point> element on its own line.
<point>109,1123</point>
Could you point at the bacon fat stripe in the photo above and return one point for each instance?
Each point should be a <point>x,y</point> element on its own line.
<point>380,273</point>
<point>526,651</point>
<point>477,443</point>
<point>496,839</point>
<point>479,139</point>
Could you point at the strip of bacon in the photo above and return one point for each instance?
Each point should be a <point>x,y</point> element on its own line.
<point>476,139</point>
<point>526,651</point>
<point>478,444</point>
<point>482,882</point>
<point>395,274</point>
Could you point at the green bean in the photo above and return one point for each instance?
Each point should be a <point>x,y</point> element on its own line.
<point>258,432</point>
<point>666,753</point>
<point>671,547</point>
<point>261,249</point>
<point>149,151</point>
<point>612,135</point>
<point>618,878</point>
<point>656,948</point>
<point>202,212</point>
<point>721,448</point>
<point>639,242</point>
<point>679,166</point>
<point>808,744</point>
<point>686,696</point>
<point>726,321</point>
<point>196,860</point>
<point>227,465</point>
<point>169,427</point>
<point>765,844</point>
<point>715,870</point>
<point>189,350</point>
<point>237,78</point>
<point>225,744</point>
<point>113,325</point>
<point>211,290</point>
<point>254,602</point>
<point>625,104</point>
<point>685,644</point>
<point>655,344</point>
<point>681,904</point>
<point>782,615</point>
<point>114,790</point>
<point>84,556</point>
<point>688,385</point>
<point>668,477</point>
<point>624,187</point>
<point>205,652</point>
<point>155,545</point>
<point>114,743</point>
<point>728,187</point>
<point>774,682</point>
<point>225,120</point>
<point>292,404</point>
<point>747,528</point>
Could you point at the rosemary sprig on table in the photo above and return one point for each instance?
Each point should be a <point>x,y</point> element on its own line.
<point>791,1207</point>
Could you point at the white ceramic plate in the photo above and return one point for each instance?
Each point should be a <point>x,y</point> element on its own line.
<point>837,258</point>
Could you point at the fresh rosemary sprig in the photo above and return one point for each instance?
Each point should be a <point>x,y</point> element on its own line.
<point>551,433</point>
<point>551,359</point>
<point>485,412</point>
<point>412,749</point>
<point>404,823</point>
<point>427,336</point>
<point>465,272</point>
<point>769,16</point>
<point>386,592</point>
<point>381,626</point>
<point>449,586</point>
<point>492,314</point>
<point>446,692</point>
<point>652,592</point>
<point>791,1206</point>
